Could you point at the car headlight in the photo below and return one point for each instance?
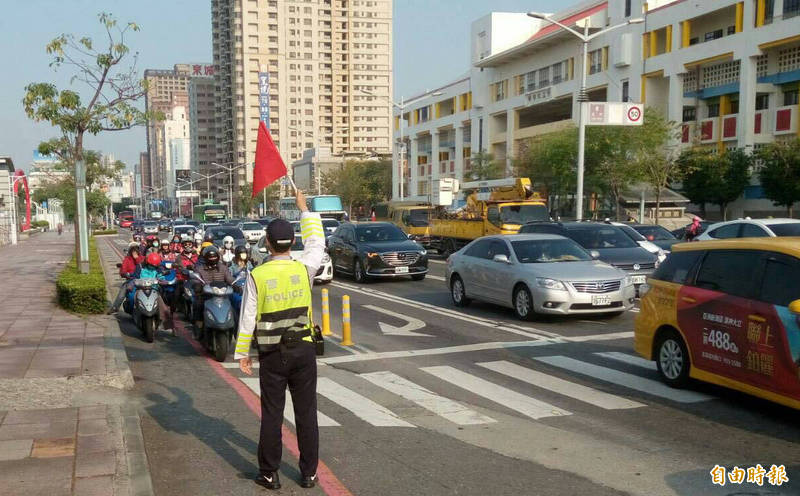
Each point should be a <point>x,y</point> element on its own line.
<point>372,254</point>
<point>423,252</point>
<point>661,256</point>
<point>547,283</point>
<point>628,281</point>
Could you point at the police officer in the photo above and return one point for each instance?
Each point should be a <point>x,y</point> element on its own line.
<point>277,303</point>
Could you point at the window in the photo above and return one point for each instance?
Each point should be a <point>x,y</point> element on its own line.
<point>779,282</point>
<point>731,30</point>
<point>713,35</point>
<point>493,216</point>
<point>689,114</point>
<point>625,89</point>
<point>479,249</point>
<point>677,266</point>
<point>544,77</point>
<point>728,271</point>
<point>725,232</point>
<point>595,61</point>
<point>762,101</point>
<point>712,110</point>
<point>752,231</point>
<point>790,97</point>
<point>530,81</point>
<point>787,229</point>
<point>627,8</point>
<point>499,91</point>
<point>498,247</point>
<point>734,107</point>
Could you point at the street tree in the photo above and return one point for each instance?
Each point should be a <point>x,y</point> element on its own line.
<point>98,172</point>
<point>780,173</point>
<point>111,89</point>
<point>360,183</point>
<point>483,166</point>
<point>246,200</point>
<point>549,161</point>
<point>612,165</point>
<point>719,178</point>
<point>64,190</point>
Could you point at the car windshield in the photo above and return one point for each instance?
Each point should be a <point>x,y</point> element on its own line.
<point>252,226</point>
<point>221,232</point>
<point>655,233</point>
<point>368,234</point>
<point>264,222</point>
<point>184,230</point>
<point>298,244</point>
<point>600,237</point>
<point>549,250</point>
<point>521,214</point>
<point>330,223</point>
<point>790,229</point>
<point>417,217</point>
<point>632,233</point>
<point>151,223</point>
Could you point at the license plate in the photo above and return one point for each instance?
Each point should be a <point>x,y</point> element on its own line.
<point>639,279</point>
<point>401,270</point>
<point>601,300</point>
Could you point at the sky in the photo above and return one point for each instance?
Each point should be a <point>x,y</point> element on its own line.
<point>431,47</point>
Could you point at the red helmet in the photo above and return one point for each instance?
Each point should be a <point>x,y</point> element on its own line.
<point>153,259</point>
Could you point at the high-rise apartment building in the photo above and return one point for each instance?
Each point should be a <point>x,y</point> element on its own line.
<point>203,135</point>
<point>318,72</point>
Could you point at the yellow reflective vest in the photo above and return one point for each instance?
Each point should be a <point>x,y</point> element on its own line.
<point>284,304</point>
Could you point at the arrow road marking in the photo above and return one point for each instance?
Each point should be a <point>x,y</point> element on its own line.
<point>406,330</point>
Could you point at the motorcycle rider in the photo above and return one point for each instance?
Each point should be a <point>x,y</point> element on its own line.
<point>126,270</point>
<point>241,261</point>
<point>211,271</point>
<point>198,240</point>
<point>151,269</point>
<point>166,251</point>
<point>175,245</point>
<point>152,243</point>
<point>226,252</point>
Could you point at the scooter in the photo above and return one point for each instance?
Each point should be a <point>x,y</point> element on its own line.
<point>236,296</point>
<point>145,307</point>
<point>219,326</point>
<point>169,292</point>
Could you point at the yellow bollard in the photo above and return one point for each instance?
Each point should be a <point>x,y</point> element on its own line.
<point>326,314</point>
<point>346,341</point>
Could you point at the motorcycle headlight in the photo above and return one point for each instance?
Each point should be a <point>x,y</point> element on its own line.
<point>547,283</point>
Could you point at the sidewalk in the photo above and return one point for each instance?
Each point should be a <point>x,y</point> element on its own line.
<point>66,425</point>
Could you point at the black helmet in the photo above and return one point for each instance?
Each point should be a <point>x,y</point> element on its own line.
<point>240,249</point>
<point>211,255</point>
<point>208,237</point>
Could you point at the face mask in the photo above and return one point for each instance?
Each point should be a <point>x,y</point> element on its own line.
<point>243,256</point>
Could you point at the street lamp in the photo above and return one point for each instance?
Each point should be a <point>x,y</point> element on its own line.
<point>316,169</point>
<point>585,39</point>
<point>401,106</point>
<point>230,169</point>
<point>208,183</point>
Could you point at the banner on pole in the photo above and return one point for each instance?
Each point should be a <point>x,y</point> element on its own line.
<point>263,97</point>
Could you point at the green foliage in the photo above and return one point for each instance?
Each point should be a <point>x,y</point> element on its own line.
<point>97,172</point>
<point>549,162</point>
<point>246,201</point>
<point>104,232</point>
<point>64,190</point>
<point>715,178</point>
<point>82,293</point>
<point>360,183</point>
<point>780,173</point>
<point>483,166</point>
<point>41,223</point>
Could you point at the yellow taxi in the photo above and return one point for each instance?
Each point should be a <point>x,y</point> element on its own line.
<point>726,312</point>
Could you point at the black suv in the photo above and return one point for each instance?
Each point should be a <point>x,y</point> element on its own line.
<point>376,249</point>
<point>609,241</point>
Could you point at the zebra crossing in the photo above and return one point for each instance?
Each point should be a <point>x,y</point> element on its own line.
<point>350,394</point>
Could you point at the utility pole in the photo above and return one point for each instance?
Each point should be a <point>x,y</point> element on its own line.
<point>82,221</point>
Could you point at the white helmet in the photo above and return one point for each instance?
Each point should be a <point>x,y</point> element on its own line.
<point>198,237</point>
<point>227,242</point>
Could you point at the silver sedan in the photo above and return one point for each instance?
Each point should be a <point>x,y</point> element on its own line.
<point>537,273</point>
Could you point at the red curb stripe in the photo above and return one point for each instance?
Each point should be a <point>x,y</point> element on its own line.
<point>327,481</point>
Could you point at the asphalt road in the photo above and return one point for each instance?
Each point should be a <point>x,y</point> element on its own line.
<point>438,400</point>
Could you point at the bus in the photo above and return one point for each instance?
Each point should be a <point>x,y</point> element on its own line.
<point>287,209</point>
<point>125,218</point>
<point>209,212</point>
<point>327,206</point>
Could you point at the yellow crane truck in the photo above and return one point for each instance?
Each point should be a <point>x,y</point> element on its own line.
<point>494,207</point>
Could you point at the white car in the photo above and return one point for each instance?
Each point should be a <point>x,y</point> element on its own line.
<point>641,240</point>
<point>325,271</point>
<point>253,231</point>
<point>752,228</point>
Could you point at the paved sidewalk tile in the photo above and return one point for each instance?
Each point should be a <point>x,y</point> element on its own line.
<point>53,448</point>
<point>94,486</point>
<point>16,449</point>
<point>93,464</point>
<point>52,430</point>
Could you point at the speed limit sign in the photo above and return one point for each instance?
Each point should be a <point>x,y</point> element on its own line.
<point>634,114</point>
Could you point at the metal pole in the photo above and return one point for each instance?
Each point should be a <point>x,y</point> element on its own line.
<point>13,228</point>
<point>581,125</point>
<point>265,201</point>
<point>230,193</point>
<point>641,208</point>
<point>402,148</point>
<point>83,227</point>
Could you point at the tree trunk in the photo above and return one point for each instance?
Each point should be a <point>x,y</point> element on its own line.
<point>658,203</point>
<point>618,207</point>
<point>723,210</point>
<point>789,211</point>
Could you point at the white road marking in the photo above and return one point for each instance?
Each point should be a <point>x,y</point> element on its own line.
<point>560,386</point>
<point>538,334</point>
<point>513,400</point>
<point>634,310</point>
<point>442,262</point>
<point>288,408</point>
<point>600,337</point>
<point>363,407</point>
<point>407,330</point>
<point>447,408</point>
<point>624,379</point>
<point>629,359</point>
<point>437,278</point>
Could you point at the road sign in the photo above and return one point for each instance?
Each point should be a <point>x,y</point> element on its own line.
<point>613,114</point>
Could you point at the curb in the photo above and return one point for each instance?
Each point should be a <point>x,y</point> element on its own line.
<point>138,469</point>
<point>116,359</point>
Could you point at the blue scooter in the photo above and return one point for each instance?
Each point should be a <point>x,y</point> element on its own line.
<point>219,324</point>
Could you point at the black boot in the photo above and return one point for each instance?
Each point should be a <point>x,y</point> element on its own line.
<point>270,481</point>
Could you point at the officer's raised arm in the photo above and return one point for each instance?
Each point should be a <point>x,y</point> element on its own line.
<point>313,236</point>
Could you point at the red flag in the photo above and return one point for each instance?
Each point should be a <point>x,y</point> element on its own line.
<point>269,165</point>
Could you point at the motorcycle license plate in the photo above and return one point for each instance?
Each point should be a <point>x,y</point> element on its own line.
<point>601,300</point>
<point>401,270</point>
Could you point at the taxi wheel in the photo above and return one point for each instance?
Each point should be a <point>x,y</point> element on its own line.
<point>672,359</point>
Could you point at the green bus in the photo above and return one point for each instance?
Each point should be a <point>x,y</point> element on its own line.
<point>209,212</point>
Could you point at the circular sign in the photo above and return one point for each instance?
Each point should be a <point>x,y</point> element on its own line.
<point>634,114</point>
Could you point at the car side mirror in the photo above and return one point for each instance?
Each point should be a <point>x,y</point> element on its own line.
<point>794,307</point>
<point>501,258</point>
<point>410,236</point>
<point>595,254</point>
<point>263,249</point>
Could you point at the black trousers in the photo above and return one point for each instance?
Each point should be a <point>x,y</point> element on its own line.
<point>297,368</point>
